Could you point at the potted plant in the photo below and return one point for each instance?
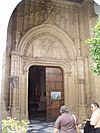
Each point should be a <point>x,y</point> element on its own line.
<point>12,125</point>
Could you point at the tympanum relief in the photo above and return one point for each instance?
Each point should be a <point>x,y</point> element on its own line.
<point>46,46</point>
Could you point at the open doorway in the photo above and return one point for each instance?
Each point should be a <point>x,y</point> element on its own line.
<point>37,92</point>
<point>45,92</point>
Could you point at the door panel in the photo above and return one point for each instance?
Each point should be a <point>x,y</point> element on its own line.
<point>54,86</point>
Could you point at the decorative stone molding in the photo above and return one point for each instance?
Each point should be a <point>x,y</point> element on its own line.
<point>14,81</point>
<point>39,31</point>
<point>81,81</point>
<point>30,14</point>
<point>45,45</point>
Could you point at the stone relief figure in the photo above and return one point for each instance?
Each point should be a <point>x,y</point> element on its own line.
<point>37,48</point>
<point>14,81</point>
<point>30,52</point>
<point>47,47</point>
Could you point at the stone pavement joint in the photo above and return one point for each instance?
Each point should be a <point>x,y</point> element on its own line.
<point>38,126</point>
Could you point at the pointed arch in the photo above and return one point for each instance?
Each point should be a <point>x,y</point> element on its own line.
<point>47,28</point>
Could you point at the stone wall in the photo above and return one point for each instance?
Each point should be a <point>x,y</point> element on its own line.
<point>50,34</point>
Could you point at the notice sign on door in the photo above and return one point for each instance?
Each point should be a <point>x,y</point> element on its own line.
<point>55,95</point>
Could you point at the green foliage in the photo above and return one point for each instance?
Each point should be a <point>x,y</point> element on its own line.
<point>94,43</point>
<point>12,124</point>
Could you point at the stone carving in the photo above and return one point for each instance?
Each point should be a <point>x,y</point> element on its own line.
<point>14,65</point>
<point>34,13</point>
<point>66,19</point>
<point>24,68</point>
<point>46,46</point>
<point>14,81</point>
<point>81,81</point>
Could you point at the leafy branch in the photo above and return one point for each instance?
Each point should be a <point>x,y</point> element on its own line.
<point>94,43</point>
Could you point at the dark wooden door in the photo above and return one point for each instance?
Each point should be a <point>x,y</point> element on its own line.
<point>54,92</point>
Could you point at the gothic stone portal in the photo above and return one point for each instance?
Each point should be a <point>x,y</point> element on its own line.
<point>41,35</point>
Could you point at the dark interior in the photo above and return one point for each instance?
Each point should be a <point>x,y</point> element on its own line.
<point>37,92</point>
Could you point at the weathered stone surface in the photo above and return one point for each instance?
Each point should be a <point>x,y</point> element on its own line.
<point>50,35</point>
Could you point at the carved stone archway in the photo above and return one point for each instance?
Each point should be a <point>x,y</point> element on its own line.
<point>44,45</point>
<point>51,29</point>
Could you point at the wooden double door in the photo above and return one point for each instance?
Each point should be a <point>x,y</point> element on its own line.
<point>46,91</point>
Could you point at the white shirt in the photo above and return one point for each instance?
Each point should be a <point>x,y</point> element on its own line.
<point>95,118</point>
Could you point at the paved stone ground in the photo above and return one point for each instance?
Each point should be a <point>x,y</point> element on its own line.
<point>40,126</point>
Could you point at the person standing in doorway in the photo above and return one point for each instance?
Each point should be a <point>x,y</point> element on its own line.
<point>95,117</point>
<point>66,122</point>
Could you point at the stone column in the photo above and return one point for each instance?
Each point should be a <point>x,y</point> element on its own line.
<point>66,85</point>
<point>24,95</point>
<point>14,105</point>
<point>81,89</point>
<point>97,87</point>
<point>14,85</point>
